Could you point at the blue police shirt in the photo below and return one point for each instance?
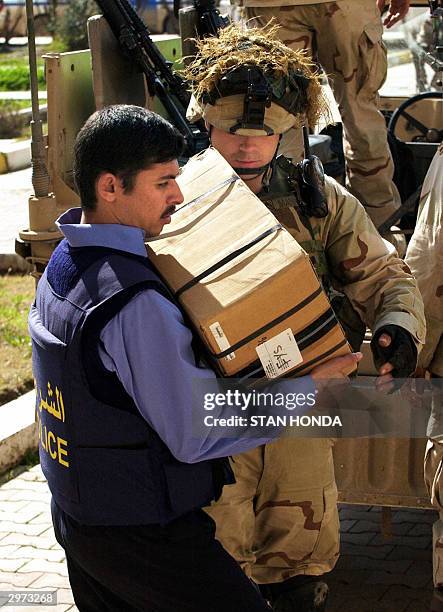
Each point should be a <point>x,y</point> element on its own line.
<point>148,346</point>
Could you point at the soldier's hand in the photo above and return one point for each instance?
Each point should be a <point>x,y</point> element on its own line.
<point>397,11</point>
<point>338,367</point>
<point>395,355</point>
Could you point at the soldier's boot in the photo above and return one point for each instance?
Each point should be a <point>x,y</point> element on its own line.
<point>297,594</point>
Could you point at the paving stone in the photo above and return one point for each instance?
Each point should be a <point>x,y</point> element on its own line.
<point>345,525</point>
<point>30,552</point>
<point>7,495</point>
<point>7,549</point>
<point>65,596</point>
<point>32,475</point>
<point>351,562</point>
<point>12,565</point>
<point>13,505</point>
<point>22,485</point>
<point>50,581</point>
<point>374,552</point>
<point>42,542</point>
<point>357,538</point>
<point>24,516</point>
<point>41,507</point>
<point>8,579</point>
<point>61,608</point>
<point>422,542</point>
<point>31,496</point>
<point>414,581</point>
<point>50,567</point>
<point>44,518</point>
<point>33,530</point>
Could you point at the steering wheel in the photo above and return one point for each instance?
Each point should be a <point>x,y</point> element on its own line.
<point>426,133</point>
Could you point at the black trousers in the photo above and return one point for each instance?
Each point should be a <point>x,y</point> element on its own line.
<point>179,567</point>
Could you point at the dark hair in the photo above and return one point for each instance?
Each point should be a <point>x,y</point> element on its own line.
<point>123,140</point>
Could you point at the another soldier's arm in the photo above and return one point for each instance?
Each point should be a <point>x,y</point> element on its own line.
<point>378,283</point>
<point>397,11</point>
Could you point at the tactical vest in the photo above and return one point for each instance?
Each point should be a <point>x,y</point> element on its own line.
<point>104,464</point>
<point>278,196</point>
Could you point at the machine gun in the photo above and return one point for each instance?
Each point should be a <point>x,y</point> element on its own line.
<point>207,20</point>
<point>135,41</point>
<point>210,21</point>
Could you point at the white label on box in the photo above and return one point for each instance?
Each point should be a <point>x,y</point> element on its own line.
<point>221,339</point>
<point>279,354</point>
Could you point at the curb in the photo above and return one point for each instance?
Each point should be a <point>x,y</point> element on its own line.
<point>15,156</point>
<point>18,430</point>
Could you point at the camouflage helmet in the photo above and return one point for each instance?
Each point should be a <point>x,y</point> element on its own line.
<point>246,81</point>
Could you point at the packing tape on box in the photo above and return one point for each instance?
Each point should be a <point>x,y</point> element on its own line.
<point>227,259</point>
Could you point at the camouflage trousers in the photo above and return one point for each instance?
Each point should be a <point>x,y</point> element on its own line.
<point>433,472</point>
<point>280,519</point>
<point>346,38</point>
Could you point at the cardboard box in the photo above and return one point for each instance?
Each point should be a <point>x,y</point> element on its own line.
<point>242,278</point>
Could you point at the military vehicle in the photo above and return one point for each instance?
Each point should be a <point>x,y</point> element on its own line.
<point>386,472</point>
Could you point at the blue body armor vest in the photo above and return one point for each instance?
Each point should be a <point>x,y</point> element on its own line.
<point>104,464</point>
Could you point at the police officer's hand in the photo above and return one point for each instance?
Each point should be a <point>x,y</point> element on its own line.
<point>395,355</point>
<point>397,11</point>
<point>338,367</point>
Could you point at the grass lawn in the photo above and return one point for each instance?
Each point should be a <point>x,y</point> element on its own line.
<point>16,295</point>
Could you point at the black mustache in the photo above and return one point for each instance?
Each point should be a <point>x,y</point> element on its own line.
<point>169,211</point>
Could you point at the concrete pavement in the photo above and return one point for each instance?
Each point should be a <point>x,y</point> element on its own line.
<point>15,189</point>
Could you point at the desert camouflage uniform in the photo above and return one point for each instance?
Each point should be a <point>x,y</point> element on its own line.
<point>280,519</point>
<point>425,257</point>
<point>346,37</point>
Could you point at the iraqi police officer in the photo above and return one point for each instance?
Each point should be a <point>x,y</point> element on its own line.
<point>115,364</point>
<point>280,519</point>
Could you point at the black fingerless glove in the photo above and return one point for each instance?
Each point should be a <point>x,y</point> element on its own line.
<point>401,353</point>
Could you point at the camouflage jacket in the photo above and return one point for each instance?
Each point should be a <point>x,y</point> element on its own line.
<point>351,257</point>
<point>425,251</point>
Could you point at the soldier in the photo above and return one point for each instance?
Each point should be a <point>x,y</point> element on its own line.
<point>280,519</point>
<point>425,257</point>
<point>346,38</point>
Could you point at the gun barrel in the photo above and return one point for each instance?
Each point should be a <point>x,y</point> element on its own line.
<point>134,38</point>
